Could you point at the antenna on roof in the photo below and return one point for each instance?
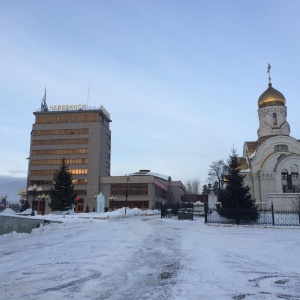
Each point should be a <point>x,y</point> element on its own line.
<point>44,106</point>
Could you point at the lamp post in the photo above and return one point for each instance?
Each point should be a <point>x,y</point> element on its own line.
<point>43,197</point>
<point>22,200</point>
<point>34,189</point>
<point>126,194</point>
<point>112,199</point>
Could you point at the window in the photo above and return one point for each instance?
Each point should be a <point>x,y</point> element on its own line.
<point>72,161</point>
<point>274,119</point>
<point>60,131</point>
<point>59,151</point>
<point>67,118</point>
<point>60,142</point>
<point>50,172</point>
<point>133,189</point>
<point>278,148</point>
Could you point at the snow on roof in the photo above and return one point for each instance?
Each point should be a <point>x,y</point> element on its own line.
<point>148,173</point>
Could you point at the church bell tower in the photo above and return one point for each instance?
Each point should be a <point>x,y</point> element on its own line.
<point>272,112</point>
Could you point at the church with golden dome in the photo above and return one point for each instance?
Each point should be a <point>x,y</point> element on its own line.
<point>271,164</point>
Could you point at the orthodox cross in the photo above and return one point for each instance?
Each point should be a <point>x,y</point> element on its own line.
<point>269,71</point>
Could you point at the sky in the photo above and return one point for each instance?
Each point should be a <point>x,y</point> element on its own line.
<point>181,79</point>
<point>146,257</point>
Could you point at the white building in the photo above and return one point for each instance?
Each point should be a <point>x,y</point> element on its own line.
<point>271,164</point>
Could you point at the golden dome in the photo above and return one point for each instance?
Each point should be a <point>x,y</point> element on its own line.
<point>271,97</point>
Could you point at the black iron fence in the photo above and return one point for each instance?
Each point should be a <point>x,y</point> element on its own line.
<point>265,217</point>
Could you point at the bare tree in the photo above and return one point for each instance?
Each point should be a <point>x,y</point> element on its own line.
<point>192,186</point>
<point>216,172</point>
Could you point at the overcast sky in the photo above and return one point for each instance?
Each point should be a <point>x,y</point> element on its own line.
<point>181,79</point>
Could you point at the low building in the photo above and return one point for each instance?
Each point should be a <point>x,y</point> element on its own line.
<point>143,189</point>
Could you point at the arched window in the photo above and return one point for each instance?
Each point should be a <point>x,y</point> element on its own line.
<point>274,119</point>
<point>284,174</point>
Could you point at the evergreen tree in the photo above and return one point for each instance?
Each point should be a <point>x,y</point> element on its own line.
<point>236,200</point>
<point>62,193</point>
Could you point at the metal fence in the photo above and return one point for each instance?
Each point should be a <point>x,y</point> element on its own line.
<point>266,217</point>
<point>171,210</point>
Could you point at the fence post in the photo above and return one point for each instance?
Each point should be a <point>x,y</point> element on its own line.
<point>205,211</point>
<point>238,213</point>
<point>273,219</point>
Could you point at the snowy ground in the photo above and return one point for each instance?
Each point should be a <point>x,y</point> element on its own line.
<point>145,257</point>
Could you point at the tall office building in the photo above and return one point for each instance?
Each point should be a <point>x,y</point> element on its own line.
<point>82,136</point>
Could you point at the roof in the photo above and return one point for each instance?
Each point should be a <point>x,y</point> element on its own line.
<point>148,173</point>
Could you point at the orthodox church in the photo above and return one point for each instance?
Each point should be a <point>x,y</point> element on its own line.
<point>271,164</point>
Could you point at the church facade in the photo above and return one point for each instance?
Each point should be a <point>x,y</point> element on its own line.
<point>271,164</point>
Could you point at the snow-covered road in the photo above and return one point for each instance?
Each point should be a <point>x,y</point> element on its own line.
<point>150,258</point>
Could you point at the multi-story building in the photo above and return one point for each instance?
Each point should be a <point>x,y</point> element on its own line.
<point>82,136</point>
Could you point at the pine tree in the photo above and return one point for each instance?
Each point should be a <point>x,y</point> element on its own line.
<point>62,193</point>
<point>235,199</point>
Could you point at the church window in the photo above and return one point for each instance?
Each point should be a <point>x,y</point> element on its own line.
<point>284,174</point>
<point>278,148</point>
<point>274,119</point>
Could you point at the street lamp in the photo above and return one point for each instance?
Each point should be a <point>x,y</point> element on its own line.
<point>112,199</point>
<point>22,200</point>
<point>43,197</point>
<point>126,194</point>
<point>34,189</point>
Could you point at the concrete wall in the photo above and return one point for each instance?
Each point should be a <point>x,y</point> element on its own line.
<point>19,224</point>
<point>285,201</point>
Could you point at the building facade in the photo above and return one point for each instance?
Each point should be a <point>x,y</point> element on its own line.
<point>143,189</point>
<point>82,136</point>
<point>271,164</point>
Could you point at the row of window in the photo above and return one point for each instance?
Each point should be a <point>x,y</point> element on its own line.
<point>73,161</point>
<point>133,189</point>
<point>60,131</point>
<point>68,118</point>
<point>50,182</point>
<point>60,151</point>
<point>78,192</point>
<point>131,204</point>
<point>50,172</point>
<point>60,142</point>
<point>284,175</point>
<point>79,181</point>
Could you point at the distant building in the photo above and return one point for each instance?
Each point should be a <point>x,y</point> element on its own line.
<point>144,189</point>
<point>81,135</point>
<point>271,164</point>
